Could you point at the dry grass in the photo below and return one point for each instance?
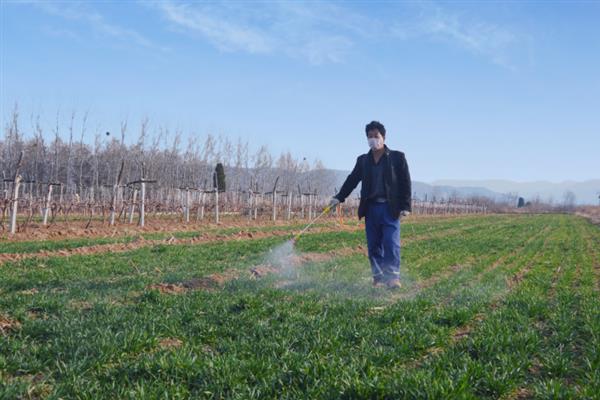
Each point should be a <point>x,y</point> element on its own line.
<point>590,212</point>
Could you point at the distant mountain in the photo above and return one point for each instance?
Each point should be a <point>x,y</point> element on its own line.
<point>425,190</point>
<point>422,190</point>
<point>586,192</point>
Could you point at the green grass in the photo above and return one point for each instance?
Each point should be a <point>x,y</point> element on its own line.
<point>33,246</point>
<point>461,327</point>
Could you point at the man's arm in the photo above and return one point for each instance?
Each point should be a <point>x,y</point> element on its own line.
<point>405,185</point>
<point>351,182</point>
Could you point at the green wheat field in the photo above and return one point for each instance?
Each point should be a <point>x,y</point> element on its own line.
<point>495,306</point>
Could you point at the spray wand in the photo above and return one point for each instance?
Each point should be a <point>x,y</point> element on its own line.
<point>325,211</point>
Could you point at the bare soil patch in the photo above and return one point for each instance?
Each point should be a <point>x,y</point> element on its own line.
<point>8,324</point>
<point>169,343</point>
<point>261,271</point>
<point>592,213</point>
<point>167,288</point>
<point>216,280</point>
<point>76,229</point>
<point>140,242</point>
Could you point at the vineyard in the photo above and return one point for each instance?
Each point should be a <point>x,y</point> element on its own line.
<point>28,205</point>
<point>492,306</point>
<point>68,182</point>
<point>181,183</point>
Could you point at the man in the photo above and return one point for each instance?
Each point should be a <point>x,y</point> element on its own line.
<point>385,196</point>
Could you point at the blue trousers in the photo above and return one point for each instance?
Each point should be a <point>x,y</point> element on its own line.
<point>383,241</point>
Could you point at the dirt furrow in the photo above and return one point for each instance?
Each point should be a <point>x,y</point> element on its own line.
<point>593,246</point>
<point>525,391</point>
<point>219,279</point>
<point>464,331</point>
<point>216,280</point>
<point>140,242</point>
<point>427,283</point>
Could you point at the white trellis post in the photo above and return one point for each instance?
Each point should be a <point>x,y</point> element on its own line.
<point>15,205</point>
<point>132,208</point>
<point>113,202</point>
<point>202,199</point>
<point>274,201</point>
<point>256,208</point>
<point>217,205</point>
<point>15,198</point>
<point>289,199</point>
<point>187,205</point>
<point>142,204</point>
<point>250,203</point>
<point>47,205</point>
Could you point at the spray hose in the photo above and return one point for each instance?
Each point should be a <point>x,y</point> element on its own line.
<point>325,211</point>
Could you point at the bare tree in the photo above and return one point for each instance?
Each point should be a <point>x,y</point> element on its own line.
<point>69,177</point>
<point>82,152</point>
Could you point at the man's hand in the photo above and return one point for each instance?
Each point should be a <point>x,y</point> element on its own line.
<point>404,213</point>
<point>333,202</point>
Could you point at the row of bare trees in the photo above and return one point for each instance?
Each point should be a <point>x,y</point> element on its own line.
<point>61,173</point>
<point>63,155</point>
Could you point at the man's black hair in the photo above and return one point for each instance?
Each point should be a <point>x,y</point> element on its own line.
<point>375,125</point>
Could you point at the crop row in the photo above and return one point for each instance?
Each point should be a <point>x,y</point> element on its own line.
<point>490,308</point>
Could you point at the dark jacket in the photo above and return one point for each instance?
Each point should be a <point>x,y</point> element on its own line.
<point>396,178</point>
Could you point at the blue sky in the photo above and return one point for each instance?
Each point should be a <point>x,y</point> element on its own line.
<point>468,90</point>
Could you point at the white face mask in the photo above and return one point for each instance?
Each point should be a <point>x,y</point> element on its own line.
<point>375,143</point>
